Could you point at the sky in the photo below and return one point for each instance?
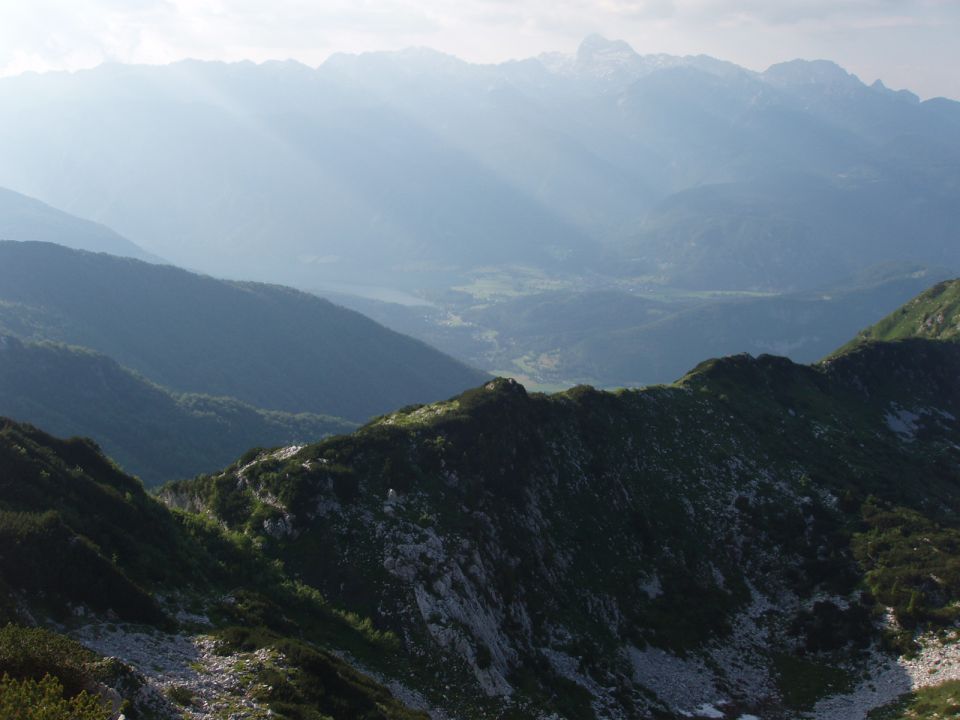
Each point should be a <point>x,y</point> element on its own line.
<point>912,44</point>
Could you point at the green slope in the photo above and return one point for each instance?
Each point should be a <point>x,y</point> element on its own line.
<point>151,432</point>
<point>930,703</point>
<point>933,314</point>
<point>265,345</point>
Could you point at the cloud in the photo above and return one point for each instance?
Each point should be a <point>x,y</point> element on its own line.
<point>68,34</point>
<point>640,9</point>
<point>838,12</point>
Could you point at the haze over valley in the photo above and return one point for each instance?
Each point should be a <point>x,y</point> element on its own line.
<point>606,174</point>
<point>595,384</point>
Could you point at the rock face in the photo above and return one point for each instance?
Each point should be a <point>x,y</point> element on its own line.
<point>685,550</point>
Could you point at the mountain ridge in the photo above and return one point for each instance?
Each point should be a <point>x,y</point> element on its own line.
<point>152,433</point>
<point>26,219</point>
<point>269,346</point>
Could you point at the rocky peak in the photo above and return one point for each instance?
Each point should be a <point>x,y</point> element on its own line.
<point>811,73</point>
<point>902,95</point>
<point>596,48</point>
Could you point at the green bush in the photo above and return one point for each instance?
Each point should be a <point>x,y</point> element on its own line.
<point>912,564</point>
<point>44,700</point>
<point>930,703</point>
<point>181,695</point>
<point>33,653</point>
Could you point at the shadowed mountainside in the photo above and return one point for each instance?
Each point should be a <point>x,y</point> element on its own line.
<point>269,346</point>
<point>151,432</point>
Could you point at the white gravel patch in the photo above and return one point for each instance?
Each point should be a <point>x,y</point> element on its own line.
<point>220,685</point>
<point>937,662</point>
<point>287,452</point>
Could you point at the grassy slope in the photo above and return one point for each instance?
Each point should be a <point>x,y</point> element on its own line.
<point>151,432</point>
<point>932,703</point>
<point>933,314</point>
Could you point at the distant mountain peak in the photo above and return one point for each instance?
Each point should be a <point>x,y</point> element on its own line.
<point>795,73</point>
<point>903,95</point>
<point>594,46</point>
<point>593,49</point>
<point>614,64</point>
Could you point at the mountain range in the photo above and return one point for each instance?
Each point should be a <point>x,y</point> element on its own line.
<point>413,169</point>
<point>759,538</point>
<point>646,190</point>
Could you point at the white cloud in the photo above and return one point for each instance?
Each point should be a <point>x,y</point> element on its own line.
<point>787,12</point>
<point>55,34</point>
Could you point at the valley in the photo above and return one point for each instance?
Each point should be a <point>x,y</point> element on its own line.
<point>595,384</point>
<point>553,333</point>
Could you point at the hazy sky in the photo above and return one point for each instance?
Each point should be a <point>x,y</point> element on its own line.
<point>907,43</point>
